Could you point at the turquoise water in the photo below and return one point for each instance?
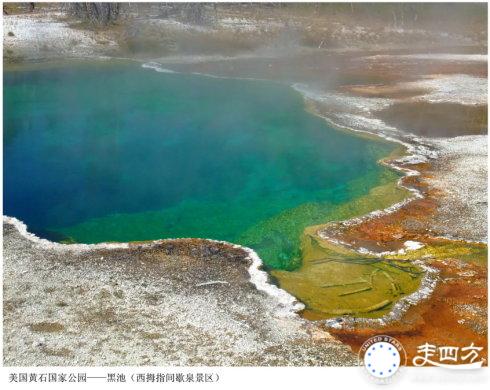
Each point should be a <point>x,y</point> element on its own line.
<point>115,152</point>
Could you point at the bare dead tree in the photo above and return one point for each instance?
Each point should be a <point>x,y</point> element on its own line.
<point>192,12</point>
<point>96,13</point>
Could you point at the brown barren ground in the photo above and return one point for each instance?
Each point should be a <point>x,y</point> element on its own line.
<point>456,312</point>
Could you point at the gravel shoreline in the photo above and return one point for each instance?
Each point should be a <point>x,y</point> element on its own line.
<point>175,302</point>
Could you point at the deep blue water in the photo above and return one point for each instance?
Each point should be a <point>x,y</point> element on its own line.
<point>115,152</point>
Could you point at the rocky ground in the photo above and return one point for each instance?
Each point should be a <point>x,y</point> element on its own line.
<point>44,36</point>
<point>185,302</point>
<point>150,30</point>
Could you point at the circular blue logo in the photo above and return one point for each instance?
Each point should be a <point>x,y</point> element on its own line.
<point>382,357</point>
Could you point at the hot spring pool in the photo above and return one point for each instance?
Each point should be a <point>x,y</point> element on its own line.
<point>110,151</point>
